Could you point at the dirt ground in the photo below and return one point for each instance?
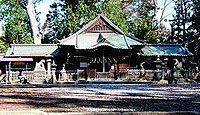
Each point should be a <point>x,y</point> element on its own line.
<point>101,98</point>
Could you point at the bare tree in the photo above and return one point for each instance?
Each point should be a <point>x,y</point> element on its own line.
<point>33,22</point>
<point>29,6</point>
<point>165,6</point>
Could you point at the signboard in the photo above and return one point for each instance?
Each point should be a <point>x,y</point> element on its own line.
<point>19,63</point>
<point>83,64</point>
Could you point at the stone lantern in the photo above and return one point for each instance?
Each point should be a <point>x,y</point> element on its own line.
<point>164,67</point>
<point>158,72</point>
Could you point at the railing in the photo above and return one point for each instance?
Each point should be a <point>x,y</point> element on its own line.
<point>73,75</point>
<point>104,76</point>
<point>125,74</point>
<point>135,74</point>
<point>16,75</point>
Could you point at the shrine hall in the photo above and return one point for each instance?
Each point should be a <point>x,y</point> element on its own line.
<point>98,51</point>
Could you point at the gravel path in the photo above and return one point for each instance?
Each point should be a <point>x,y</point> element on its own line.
<point>101,98</point>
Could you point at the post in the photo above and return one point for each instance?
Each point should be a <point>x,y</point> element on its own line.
<point>48,66</point>
<point>118,72</point>
<point>9,73</point>
<point>103,61</point>
<point>26,71</point>
<point>86,75</point>
<point>115,72</point>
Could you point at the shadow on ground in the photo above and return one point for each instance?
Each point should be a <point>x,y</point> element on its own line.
<point>59,100</point>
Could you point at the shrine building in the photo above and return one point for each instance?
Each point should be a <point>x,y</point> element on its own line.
<point>98,51</point>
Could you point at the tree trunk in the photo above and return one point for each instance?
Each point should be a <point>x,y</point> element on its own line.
<point>33,22</point>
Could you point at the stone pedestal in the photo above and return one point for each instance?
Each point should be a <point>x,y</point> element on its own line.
<point>54,76</point>
<point>63,74</point>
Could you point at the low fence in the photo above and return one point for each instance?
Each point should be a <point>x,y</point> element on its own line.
<point>29,76</point>
<point>73,75</point>
<point>125,74</point>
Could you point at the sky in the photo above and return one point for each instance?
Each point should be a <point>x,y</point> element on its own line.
<point>43,7</point>
<point>168,12</point>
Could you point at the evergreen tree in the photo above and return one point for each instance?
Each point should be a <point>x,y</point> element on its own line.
<point>142,20</point>
<point>194,30</point>
<point>54,28</point>
<point>20,24</point>
<point>180,22</point>
<point>112,10</point>
<point>68,16</point>
<point>16,26</point>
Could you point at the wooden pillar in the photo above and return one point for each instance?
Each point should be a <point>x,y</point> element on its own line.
<point>103,61</point>
<point>115,72</point>
<point>118,74</point>
<point>85,75</point>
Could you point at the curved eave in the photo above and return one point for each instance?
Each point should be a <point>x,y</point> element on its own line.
<point>62,44</point>
<point>137,45</point>
<point>166,55</point>
<point>48,56</point>
<point>140,46</point>
<point>107,46</point>
<point>164,44</point>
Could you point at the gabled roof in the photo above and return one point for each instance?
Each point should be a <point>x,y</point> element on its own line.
<point>101,41</point>
<point>105,19</point>
<point>88,25</point>
<point>84,39</point>
<point>32,50</point>
<point>165,50</point>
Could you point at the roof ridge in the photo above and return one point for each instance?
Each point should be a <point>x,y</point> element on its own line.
<point>105,19</point>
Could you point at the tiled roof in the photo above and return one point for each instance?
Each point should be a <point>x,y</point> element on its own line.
<point>165,50</point>
<point>31,50</point>
<point>86,40</point>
